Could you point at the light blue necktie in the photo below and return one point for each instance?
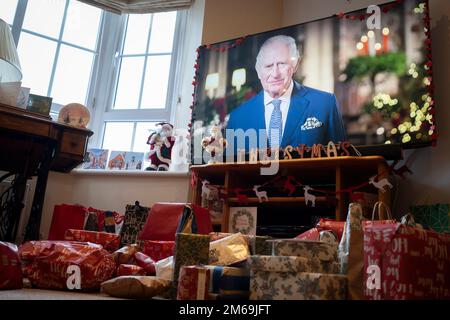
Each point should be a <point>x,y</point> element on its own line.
<point>275,125</point>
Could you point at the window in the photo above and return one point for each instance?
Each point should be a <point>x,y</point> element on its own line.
<point>52,36</point>
<point>121,66</point>
<point>145,57</point>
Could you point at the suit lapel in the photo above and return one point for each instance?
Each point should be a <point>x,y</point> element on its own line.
<point>298,106</point>
<point>260,119</point>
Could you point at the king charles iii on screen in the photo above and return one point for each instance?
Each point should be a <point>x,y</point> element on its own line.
<point>286,112</point>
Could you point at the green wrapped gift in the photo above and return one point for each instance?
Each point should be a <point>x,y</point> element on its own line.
<point>434,216</point>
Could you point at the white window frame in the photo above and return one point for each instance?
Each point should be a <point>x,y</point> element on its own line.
<point>105,72</point>
<point>17,28</point>
<point>107,79</point>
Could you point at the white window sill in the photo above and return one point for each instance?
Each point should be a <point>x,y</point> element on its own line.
<point>137,173</point>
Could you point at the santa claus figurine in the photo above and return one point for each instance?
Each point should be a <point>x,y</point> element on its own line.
<point>161,143</point>
<point>215,144</point>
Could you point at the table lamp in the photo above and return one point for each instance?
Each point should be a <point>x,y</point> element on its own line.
<point>10,71</point>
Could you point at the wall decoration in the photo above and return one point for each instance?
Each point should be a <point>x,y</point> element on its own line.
<point>243,220</point>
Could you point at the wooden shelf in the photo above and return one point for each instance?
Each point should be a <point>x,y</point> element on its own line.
<point>278,200</point>
<point>336,173</point>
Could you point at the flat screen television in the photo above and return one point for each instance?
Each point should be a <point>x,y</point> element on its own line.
<point>363,77</point>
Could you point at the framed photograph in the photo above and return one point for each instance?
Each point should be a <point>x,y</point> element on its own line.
<point>39,104</point>
<point>22,99</point>
<point>98,159</point>
<point>243,220</point>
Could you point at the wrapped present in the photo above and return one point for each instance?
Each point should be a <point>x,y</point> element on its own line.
<point>329,224</point>
<point>135,287</point>
<point>270,285</point>
<point>52,266</point>
<point>229,282</point>
<point>164,268</point>
<point>109,241</point>
<point>134,220</point>
<point>10,267</point>
<point>434,216</point>
<point>403,262</point>
<point>229,250</point>
<point>256,244</point>
<point>125,255</point>
<point>193,283</point>
<point>292,264</point>
<point>157,250</point>
<point>66,216</point>
<point>130,270</point>
<point>190,249</point>
<point>312,235</point>
<point>302,248</point>
<point>145,262</point>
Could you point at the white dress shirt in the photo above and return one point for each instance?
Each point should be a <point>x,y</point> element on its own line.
<point>284,107</point>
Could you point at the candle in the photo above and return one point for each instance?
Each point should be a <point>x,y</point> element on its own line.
<point>385,33</point>
<point>371,36</point>
<point>365,43</point>
<point>378,48</point>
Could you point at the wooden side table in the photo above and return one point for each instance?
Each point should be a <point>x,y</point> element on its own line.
<point>31,145</point>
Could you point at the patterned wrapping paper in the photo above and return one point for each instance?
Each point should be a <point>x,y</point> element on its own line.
<point>412,263</point>
<point>47,269</point>
<point>157,250</point>
<point>292,264</point>
<point>229,282</point>
<point>193,283</point>
<point>267,285</point>
<point>109,241</point>
<point>228,250</point>
<point>307,249</point>
<point>134,221</point>
<point>256,244</point>
<point>190,250</point>
<point>130,270</point>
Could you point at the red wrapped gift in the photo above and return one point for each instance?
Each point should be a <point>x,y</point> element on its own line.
<point>147,263</point>
<point>10,268</point>
<point>57,264</point>
<point>130,270</point>
<point>157,250</point>
<point>66,216</point>
<point>164,218</point>
<point>193,283</point>
<point>329,224</point>
<point>312,234</point>
<point>402,262</point>
<point>109,241</point>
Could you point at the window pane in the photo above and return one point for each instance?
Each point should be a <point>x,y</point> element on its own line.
<point>163,27</point>
<point>44,17</point>
<point>82,25</point>
<point>137,34</point>
<point>72,75</point>
<point>36,56</point>
<point>129,86</point>
<point>8,10</point>
<point>142,132</point>
<point>118,136</point>
<point>156,81</point>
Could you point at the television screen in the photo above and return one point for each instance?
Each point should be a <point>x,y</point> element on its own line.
<point>363,77</point>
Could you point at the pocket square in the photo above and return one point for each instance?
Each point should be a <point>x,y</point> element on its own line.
<point>311,123</point>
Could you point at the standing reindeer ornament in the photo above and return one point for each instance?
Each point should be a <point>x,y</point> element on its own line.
<point>214,144</point>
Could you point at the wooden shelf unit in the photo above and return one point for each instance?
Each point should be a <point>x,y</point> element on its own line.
<point>335,173</point>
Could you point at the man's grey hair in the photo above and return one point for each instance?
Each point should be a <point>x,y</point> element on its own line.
<point>287,40</point>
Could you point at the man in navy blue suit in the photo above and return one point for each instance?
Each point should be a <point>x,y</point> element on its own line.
<point>286,112</point>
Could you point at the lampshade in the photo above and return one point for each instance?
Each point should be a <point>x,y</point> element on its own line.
<point>10,70</point>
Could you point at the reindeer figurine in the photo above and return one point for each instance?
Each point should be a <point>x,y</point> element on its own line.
<point>380,184</point>
<point>260,194</point>
<point>308,196</point>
